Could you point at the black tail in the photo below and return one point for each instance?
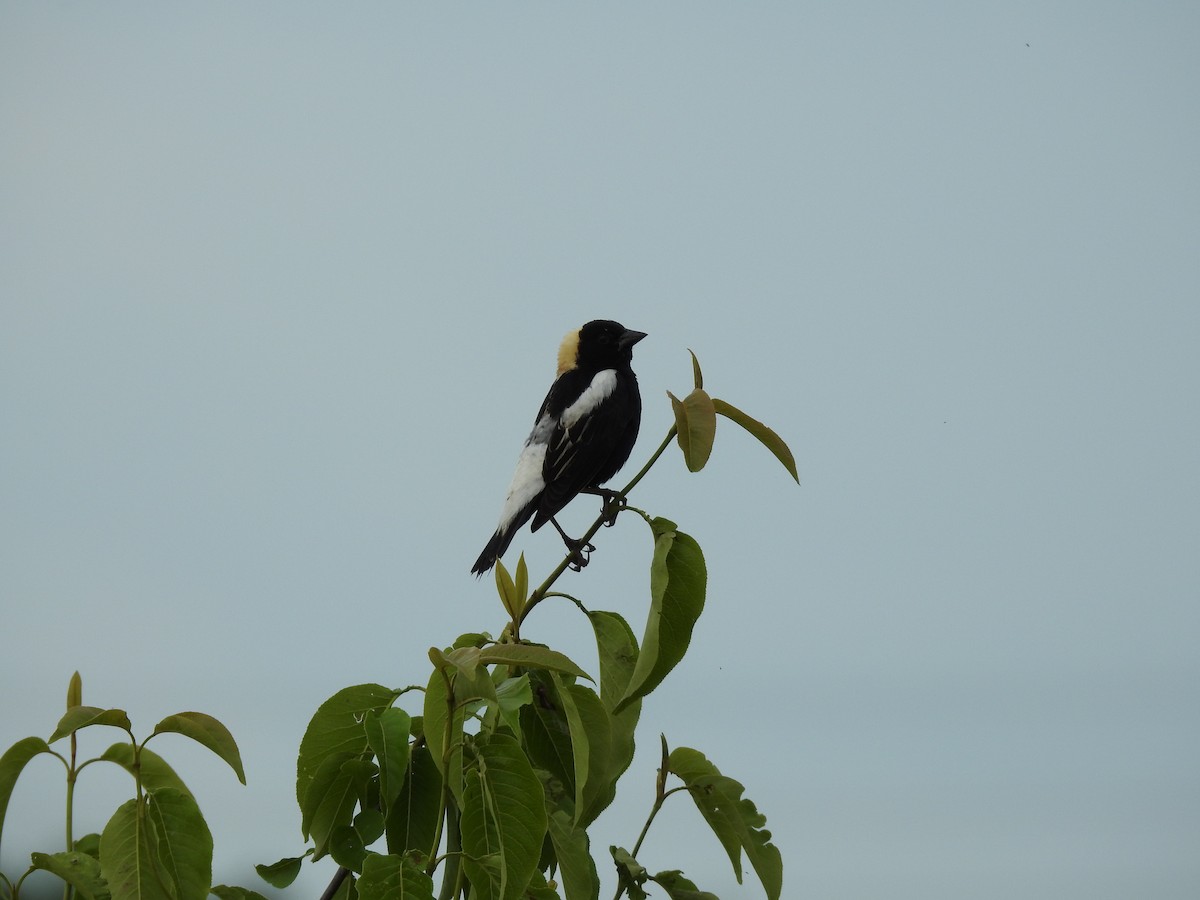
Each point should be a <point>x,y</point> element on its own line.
<point>503,537</point>
<point>493,551</point>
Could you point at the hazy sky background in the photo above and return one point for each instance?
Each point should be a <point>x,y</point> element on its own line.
<point>281,287</point>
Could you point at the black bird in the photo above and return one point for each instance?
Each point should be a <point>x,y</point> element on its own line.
<point>581,437</point>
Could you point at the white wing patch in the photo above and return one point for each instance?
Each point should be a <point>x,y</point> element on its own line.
<point>602,386</point>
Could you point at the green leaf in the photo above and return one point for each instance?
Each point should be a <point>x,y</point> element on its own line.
<point>576,867</point>
<point>12,763</point>
<point>336,729</point>
<point>631,874</point>
<point>348,844</point>
<point>82,716</point>
<point>591,742</point>
<point>697,377</point>
<point>89,844</point>
<point>539,889</point>
<point>503,819</point>
<point>393,878</point>
<point>522,580</point>
<point>677,585</point>
<point>514,602</point>
<point>208,732</point>
<point>443,734</point>
<point>283,873</point>
<point>617,650</point>
<point>531,656</point>
<point>183,843</point>
<point>679,888</point>
<point>547,736</point>
<point>227,892</point>
<point>472,639</point>
<point>75,691</point>
<point>370,825</point>
<point>765,435</point>
<point>618,654</point>
<point>511,695</point>
<point>347,848</point>
<point>695,427</point>
<point>155,773</point>
<point>77,869</point>
<point>463,659</point>
<point>413,818</point>
<point>335,789</point>
<point>734,820</point>
<point>387,735</point>
<point>128,862</point>
<point>471,679</point>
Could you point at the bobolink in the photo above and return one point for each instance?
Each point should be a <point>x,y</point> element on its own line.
<point>581,437</point>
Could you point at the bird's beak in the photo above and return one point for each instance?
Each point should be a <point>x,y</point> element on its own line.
<point>629,338</point>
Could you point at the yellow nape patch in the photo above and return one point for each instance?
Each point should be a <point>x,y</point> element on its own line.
<point>568,352</point>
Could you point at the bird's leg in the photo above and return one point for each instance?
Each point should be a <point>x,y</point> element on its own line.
<point>613,503</point>
<point>579,549</point>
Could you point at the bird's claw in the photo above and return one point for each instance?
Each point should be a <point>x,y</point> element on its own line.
<point>612,504</point>
<point>578,557</point>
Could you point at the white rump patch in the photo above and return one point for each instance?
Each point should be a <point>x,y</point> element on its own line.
<point>527,481</point>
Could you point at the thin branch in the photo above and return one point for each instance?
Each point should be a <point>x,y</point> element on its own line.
<point>335,883</point>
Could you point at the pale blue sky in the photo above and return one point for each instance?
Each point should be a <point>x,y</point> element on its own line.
<point>281,287</point>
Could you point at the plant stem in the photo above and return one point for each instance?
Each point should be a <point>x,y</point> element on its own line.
<point>335,883</point>
<point>71,773</point>
<point>653,459</point>
<point>660,796</point>
<point>452,874</point>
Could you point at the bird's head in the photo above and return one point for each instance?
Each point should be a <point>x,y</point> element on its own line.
<point>601,344</point>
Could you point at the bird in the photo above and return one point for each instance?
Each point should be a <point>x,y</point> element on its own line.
<point>582,435</point>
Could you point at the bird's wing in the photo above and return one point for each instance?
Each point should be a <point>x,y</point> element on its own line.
<point>579,446</point>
